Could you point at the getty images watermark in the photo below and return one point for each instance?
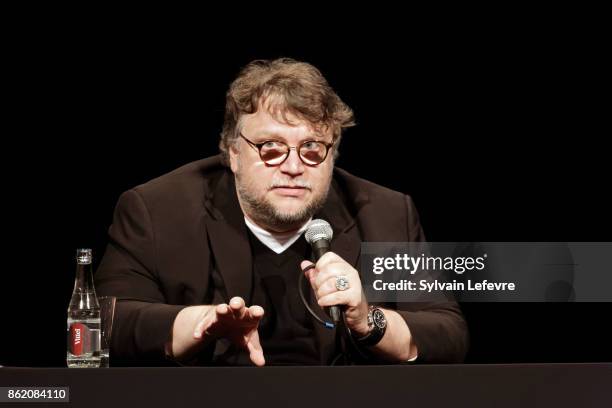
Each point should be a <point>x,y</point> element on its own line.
<point>487,271</point>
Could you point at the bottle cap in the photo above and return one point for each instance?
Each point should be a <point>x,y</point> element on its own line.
<point>83,256</point>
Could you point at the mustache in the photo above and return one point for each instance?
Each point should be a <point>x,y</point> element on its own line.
<point>290,184</point>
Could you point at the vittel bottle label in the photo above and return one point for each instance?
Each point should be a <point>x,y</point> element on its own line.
<point>79,334</point>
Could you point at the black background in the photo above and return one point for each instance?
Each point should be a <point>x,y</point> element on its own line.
<point>497,136</point>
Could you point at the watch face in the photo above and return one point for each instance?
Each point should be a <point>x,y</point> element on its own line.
<point>379,319</point>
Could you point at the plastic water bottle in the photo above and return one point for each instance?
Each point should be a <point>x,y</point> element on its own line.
<point>83,317</point>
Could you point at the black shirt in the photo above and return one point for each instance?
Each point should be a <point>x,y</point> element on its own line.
<point>286,331</point>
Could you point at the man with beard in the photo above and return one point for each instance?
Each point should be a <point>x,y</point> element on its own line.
<point>205,261</point>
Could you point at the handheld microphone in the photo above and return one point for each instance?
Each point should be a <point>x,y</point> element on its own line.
<point>319,235</point>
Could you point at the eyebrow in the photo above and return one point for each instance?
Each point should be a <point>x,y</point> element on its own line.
<point>276,136</point>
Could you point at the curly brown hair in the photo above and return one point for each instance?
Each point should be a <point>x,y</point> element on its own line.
<point>284,86</point>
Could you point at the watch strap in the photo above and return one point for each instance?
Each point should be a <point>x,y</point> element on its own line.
<point>374,336</point>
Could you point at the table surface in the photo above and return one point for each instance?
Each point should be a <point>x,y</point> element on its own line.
<point>486,385</point>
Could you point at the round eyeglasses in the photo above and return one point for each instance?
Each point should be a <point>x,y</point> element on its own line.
<point>274,152</point>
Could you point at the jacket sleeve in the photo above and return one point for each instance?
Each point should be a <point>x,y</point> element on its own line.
<point>143,321</point>
<point>438,329</point>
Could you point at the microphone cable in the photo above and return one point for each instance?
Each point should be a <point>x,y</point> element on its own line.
<point>327,325</point>
<point>345,331</point>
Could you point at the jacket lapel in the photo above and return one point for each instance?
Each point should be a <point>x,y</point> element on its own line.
<point>228,238</point>
<point>346,241</point>
<point>347,244</point>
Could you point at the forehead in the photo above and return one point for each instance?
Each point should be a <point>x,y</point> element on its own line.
<point>285,124</point>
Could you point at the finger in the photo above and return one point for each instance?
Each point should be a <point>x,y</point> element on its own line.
<point>255,312</point>
<point>334,299</point>
<point>223,312</point>
<point>199,329</point>
<point>222,309</point>
<point>328,258</point>
<point>204,323</point>
<point>309,269</point>
<point>255,350</point>
<point>327,287</point>
<point>237,307</point>
<point>306,264</point>
<point>329,272</point>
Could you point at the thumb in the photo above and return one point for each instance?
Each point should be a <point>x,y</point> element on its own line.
<point>255,350</point>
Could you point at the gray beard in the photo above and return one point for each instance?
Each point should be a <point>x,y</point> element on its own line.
<point>266,215</point>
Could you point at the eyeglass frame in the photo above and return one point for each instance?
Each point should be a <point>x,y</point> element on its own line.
<point>258,146</point>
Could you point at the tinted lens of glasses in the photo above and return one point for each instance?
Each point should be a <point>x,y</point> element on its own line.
<point>313,152</point>
<point>273,152</point>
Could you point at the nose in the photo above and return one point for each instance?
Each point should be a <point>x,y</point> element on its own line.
<point>292,166</point>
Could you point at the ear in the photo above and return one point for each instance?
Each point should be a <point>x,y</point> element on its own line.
<point>233,156</point>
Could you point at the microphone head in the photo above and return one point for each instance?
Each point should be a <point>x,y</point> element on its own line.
<point>318,229</point>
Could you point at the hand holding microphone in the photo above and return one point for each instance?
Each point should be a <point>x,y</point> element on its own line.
<point>334,281</point>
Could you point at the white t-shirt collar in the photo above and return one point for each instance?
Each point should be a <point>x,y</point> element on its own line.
<point>277,241</point>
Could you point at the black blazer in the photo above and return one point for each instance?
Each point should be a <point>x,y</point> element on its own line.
<point>181,240</point>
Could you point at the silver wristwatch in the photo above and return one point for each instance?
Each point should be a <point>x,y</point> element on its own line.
<point>377,323</point>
